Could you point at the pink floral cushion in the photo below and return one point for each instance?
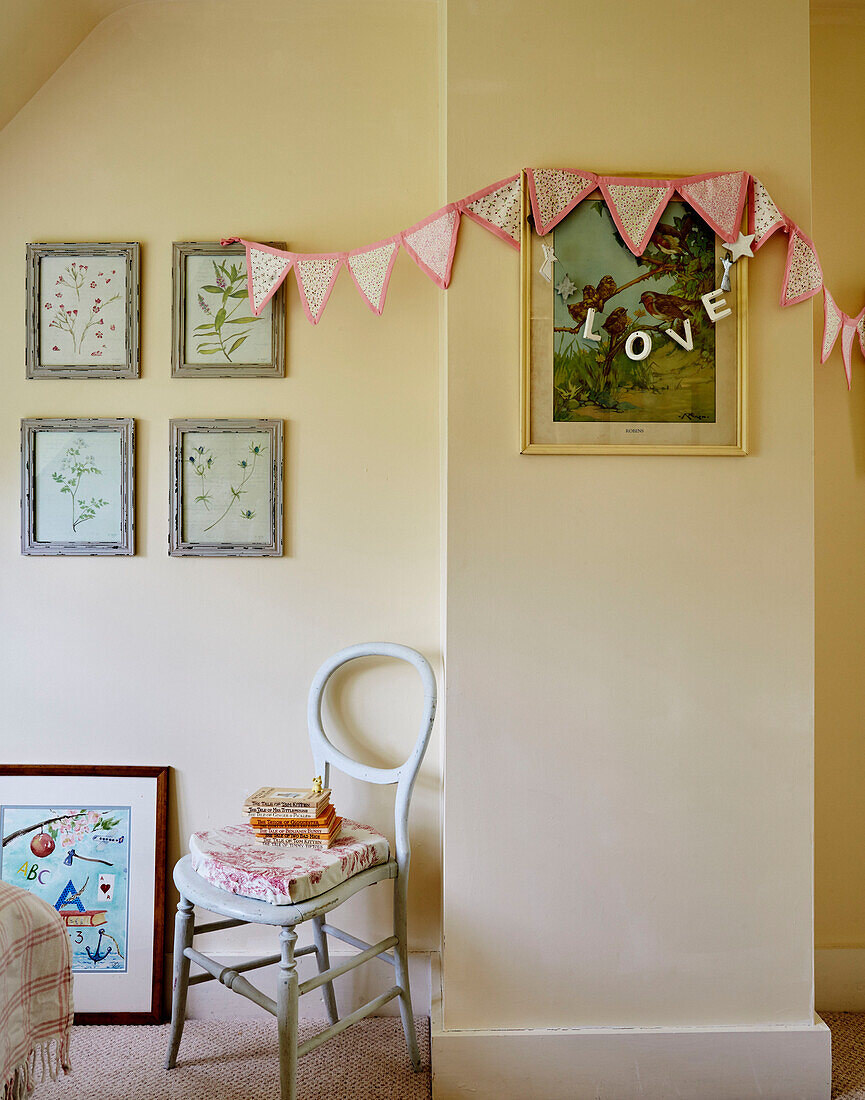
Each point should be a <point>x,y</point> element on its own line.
<point>233,860</point>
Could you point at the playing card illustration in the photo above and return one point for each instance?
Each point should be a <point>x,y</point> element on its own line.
<point>105,889</point>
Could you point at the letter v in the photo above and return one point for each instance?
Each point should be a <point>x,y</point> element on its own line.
<point>687,343</point>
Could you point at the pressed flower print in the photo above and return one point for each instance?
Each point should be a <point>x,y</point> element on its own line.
<point>77,486</point>
<point>226,487</point>
<point>82,312</point>
<point>219,327</point>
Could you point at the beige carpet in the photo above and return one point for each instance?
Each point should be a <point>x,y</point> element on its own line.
<point>848,1054</point>
<point>238,1060</point>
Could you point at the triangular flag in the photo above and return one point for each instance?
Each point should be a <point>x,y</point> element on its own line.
<point>432,242</point>
<point>555,192</point>
<point>848,331</point>
<point>803,276</point>
<point>497,208</point>
<point>370,269</point>
<point>719,198</point>
<point>764,217</point>
<point>315,278</point>
<point>636,207</point>
<point>266,268</point>
<point>860,328</point>
<point>832,320</point>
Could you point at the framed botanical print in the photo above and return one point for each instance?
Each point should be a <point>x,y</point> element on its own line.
<point>214,334</point>
<point>90,841</point>
<point>82,310</point>
<point>627,354</point>
<point>226,488</point>
<point>78,487</point>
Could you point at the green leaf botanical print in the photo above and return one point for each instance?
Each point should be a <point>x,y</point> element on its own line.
<point>225,297</point>
<point>77,464</point>
<point>202,462</point>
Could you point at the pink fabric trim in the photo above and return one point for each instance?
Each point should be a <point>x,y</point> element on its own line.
<point>440,280</point>
<point>226,241</point>
<point>274,252</point>
<point>666,186</point>
<point>376,307</point>
<point>795,233</point>
<point>848,331</point>
<point>301,258</point>
<point>782,222</point>
<point>463,206</point>
<point>542,227</point>
<point>729,232</point>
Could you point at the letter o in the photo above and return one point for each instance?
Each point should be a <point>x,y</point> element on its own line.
<point>632,339</point>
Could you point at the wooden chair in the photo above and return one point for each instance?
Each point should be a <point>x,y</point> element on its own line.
<point>237,910</point>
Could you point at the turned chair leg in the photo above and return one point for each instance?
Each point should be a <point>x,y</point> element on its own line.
<point>286,1014</point>
<point>184,924</point>
<point>323,959</point>
<point>400,953</point>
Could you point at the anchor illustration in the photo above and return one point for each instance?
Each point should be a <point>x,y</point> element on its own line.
<point>96,956</point>
<point>72,854</point>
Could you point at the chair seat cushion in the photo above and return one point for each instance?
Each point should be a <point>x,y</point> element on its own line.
<point>231,859</point>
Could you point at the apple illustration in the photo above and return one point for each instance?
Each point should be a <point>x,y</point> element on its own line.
<point>42,845</point>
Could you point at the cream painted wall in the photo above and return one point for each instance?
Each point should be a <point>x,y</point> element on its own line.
<point>315,123</point>
<point>629,645</point>
<point>837,52</point>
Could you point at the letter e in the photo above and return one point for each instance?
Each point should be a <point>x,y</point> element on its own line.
<point>714,304</point>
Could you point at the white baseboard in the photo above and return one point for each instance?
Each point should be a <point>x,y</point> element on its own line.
<point>769,1063</point>
<point>212,1001</point>
<point>839,979</point>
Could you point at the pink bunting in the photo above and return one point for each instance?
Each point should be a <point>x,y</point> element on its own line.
<point>719,198</point>
<point>835,320</point>
<point>316,275</point>
<point>860,328</point>
<point>832,321</point>
<point>266,268</point>
<point>370,268</point>
<point>497,208</point>
<point>636,207</point>
<point>848,331</point>
<point>554,192</point>
<point>764,217</point>
<point>803,275</point>
<point>432,243</point>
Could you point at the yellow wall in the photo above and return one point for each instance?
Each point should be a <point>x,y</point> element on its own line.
<point>629,640</point>
<point>838,121</point>
<point>315,123</point>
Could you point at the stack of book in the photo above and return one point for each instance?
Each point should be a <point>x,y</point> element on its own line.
<point>285,816</point>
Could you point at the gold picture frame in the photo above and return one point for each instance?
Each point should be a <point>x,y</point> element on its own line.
<point>562,410</point>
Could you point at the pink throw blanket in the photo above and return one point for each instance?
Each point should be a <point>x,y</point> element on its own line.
<point>35,991</point>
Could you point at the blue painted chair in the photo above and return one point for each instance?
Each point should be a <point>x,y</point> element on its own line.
<point>237,910</point>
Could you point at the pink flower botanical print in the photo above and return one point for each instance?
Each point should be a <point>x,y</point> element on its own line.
<point>80,314</point>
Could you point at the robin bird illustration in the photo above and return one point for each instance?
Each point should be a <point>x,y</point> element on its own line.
<point>617,322</point>
<point>670,239</point>
<point>606,289</point>
<point>667,306</point>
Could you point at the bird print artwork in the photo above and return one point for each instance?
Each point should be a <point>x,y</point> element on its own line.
<point>605,295</point>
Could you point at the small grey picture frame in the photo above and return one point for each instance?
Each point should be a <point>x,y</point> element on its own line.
<point>188,305</point>
<point>124,486</point>
<point>77,351</point>
<point>214,445</point>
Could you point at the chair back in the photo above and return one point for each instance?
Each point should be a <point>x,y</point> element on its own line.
<point>325,754</point>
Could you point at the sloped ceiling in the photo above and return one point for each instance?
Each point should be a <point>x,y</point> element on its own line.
<point>36,37</point>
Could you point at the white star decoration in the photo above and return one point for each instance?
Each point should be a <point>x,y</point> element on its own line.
<point>566,288</point>
<point>546,269</point>
<point>741,246</point>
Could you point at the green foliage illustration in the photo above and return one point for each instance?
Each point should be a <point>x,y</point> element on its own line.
<point>76,466</point>
<point>202,461</point>
<point>225,333</point>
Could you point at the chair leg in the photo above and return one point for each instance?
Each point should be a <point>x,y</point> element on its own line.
<point>323,959</point>
<point>400,953</point>
<point>286,1014</point>
<point>184,923</point>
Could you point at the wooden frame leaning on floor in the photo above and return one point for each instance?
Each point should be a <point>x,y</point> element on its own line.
<point>237,910</point>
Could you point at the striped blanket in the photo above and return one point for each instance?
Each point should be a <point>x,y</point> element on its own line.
<point>35,991</point>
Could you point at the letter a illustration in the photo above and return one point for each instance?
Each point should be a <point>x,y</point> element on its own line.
<point>69,897</point>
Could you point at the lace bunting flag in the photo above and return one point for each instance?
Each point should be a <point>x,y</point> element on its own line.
<point>497,208</point>
<point>636,207</point>
<point>764,217</point>
<point>850,326</point>
<point>719,199</point>
<point>370,269</point>
<point>803,275</point>
<point>832,321</point>
<point>315,278</point>
<point>432,243</point>
<point>554,192</point>
<point>266,268</point>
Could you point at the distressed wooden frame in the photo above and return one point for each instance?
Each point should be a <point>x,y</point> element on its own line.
<point>177,546</point>
<point>130,254</point>
<point>180,368</point>
<point>30,544</point>
<point>155,1013</point>
<point>529,445</point>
